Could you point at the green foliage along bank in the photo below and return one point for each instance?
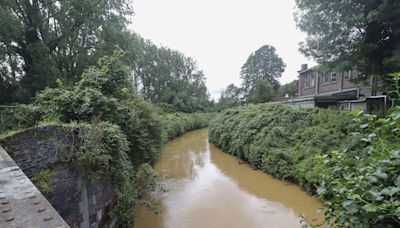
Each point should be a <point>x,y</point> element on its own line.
<point>282,140</point>
<point>362,187</point>
<point>122,133</point>
<point>350,160</point>
<point>175,124</point>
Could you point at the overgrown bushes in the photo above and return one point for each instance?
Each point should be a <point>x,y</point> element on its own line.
<point>175,124</point>
<point>122,132</point>
<point>282,140</point>
<point>351,162</point>
<point>362,187</point>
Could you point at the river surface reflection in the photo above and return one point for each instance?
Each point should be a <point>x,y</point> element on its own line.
<point>209,188</point>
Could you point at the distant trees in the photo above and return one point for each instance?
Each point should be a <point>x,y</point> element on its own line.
<point>260,82</point>
<point>263,64</point>
<point>231,96</point>
<point>291,89</point>
<point>263,92</point>
<point>166,77</point>
<point>352,33</point>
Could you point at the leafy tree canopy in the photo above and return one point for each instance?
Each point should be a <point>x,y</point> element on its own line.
<point>42,40</point>
<point>263,92</point>
<point>48,41</point>
<point>262,64</point>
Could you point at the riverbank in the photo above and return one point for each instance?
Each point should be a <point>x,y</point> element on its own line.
<point>281,140</point>
<point>350,160</point>
<point>208,188</point>
<point>56,156</point>
<point>117,134</point>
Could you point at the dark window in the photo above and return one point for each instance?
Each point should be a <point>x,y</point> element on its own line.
<point>333,77</point>
<point>328,78</point>
<point>309,80</point>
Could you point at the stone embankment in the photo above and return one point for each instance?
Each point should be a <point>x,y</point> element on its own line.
<point>21,203</point>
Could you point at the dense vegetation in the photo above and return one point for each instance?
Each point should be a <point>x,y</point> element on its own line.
<point>175,124</point>
<point>263,64</point>
<point>121,131</point>
<point>282,140</point>
<point>352,163</point>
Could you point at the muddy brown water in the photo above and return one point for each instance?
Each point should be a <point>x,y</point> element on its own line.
<point>209,188</point>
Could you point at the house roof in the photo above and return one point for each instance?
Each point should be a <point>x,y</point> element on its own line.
<point>308,69</point>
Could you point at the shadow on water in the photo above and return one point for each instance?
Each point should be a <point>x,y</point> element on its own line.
<point>209,188</point>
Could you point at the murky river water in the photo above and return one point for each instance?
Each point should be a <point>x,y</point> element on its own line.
<point>208,188</point>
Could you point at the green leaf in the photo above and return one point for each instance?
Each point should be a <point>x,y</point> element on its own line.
<point>380,174</point>
<point>351,206</point>
<point>321,190</point>
<point>390,191</point>
<point>370,208</point>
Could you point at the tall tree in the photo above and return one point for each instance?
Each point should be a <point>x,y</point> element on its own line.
<point>42,40</point>
<point>263,92</point>
<point>352,33</point>
<point>262,64</point>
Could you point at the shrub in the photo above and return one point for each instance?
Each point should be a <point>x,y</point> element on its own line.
<point>175,124</point>
<point>283,140</point>
<point>362,187</point>
<point>351,162</point>
<point>19,117</point>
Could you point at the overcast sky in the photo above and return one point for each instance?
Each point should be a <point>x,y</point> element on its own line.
<point>221,34</point>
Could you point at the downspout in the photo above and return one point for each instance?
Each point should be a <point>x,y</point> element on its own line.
<point>316,83</point>
<point>341,80</point>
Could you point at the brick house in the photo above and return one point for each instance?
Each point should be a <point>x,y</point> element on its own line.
<point>334,89</point>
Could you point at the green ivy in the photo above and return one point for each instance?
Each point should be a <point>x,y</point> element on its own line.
<point>175,124</point>
<point>283,140</point>
<point>350,160</point>
<point>362,187</point>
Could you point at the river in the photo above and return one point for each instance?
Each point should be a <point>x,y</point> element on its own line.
<point>208,188</point>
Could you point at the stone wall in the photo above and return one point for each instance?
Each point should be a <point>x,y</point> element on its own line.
<point>21,203</point>
<point>55,148</point>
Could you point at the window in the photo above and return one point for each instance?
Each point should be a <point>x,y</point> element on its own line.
<point>329,78</point>
<point>309,80</point>
<point>353,74</point>
<point>333,77</point>
<point>313,76</point>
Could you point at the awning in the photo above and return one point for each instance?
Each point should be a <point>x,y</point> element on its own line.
<point>338,96</point>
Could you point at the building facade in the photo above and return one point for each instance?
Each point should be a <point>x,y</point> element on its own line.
<point>334,89</point>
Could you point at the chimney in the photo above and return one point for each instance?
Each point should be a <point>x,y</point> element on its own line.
<point>304,67</point>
